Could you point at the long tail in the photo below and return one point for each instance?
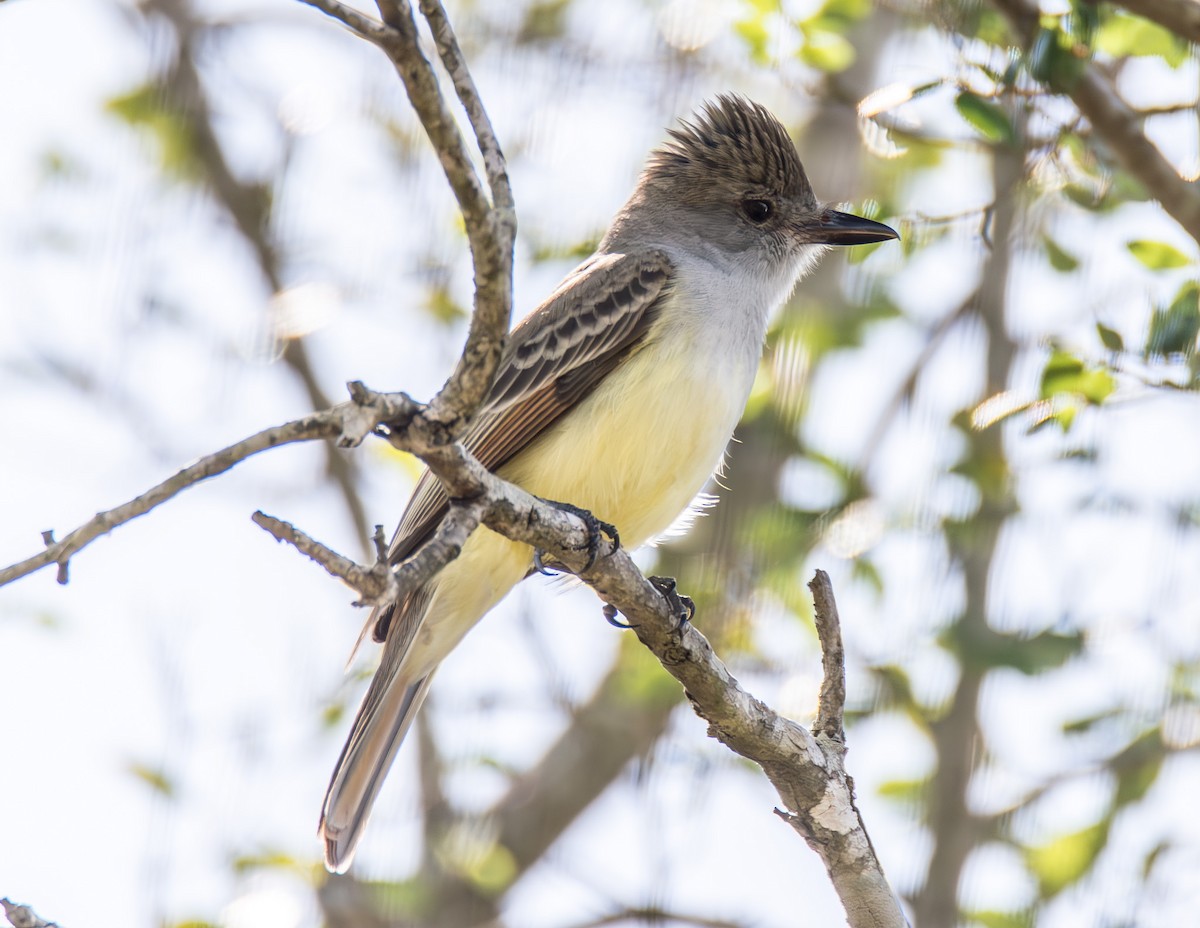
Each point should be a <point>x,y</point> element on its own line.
<point>383,719</point>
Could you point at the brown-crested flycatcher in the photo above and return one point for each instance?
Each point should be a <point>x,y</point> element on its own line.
<point>618,394</point>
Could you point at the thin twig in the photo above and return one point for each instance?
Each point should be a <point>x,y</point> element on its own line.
<point>383,583</point>
<point>361,24</point>
<point>349,423</point>
<point>832,701</point>
<point>468,95</point>
<point>22,916</point>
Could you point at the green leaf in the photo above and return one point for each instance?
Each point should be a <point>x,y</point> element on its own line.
<point>989,649</point>
<point>1085,724</point>
<point>1158,256</point>
<point>847,11</point>
<point>991,918</point>
<point>988,119</point>
<point>442,306</point>
<point>754,33</point>
<point>145,108</point>
<point>493,872</point>
<point>268,860</point>
<point>1137,767</point>
<point>154,777</point>
<point>1122,35</point>
<point>864,569</point>
<point>826,51</point>
<point>1110,337</point>
<point>1064,373</point>
<point>544,21</point>
<point>905,791</point>
<point>1060,259</point>
<point>1054,59</point>
<point>1174,330</point>
<point>1066,859</point>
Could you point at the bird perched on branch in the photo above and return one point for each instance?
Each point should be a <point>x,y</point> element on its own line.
<point>618,395</point>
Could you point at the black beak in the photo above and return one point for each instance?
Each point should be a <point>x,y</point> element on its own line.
<point>834,228</point>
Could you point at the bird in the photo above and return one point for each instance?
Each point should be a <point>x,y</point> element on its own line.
<point>618,395</point>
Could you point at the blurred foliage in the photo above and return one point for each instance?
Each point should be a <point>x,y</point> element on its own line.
<point>987,123</point>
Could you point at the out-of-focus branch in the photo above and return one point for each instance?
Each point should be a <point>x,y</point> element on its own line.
<point>1179,16</point>
<point>1118,124</point>
<point>604,734</point>
<point>957,733</point>
<point>249,206</point>
<point>22,916</point>
<point>653,915</point>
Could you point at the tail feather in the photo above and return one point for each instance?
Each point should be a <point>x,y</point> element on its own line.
<point>382,722</point>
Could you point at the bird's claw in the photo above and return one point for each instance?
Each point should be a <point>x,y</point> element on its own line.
<point>540,566</point>
<point>595,528</point>
<point>683,607</point>
<point>610,616</point>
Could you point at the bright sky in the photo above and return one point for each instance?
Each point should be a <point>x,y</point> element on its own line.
<point>190,643</point>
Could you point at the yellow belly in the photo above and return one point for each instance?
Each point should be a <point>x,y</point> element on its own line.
<point>635,453</point>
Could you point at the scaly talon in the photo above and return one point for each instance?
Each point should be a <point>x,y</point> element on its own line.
<point>596,527</point>
<point>684,607</point>
<point>610,616</point>
<point>539,566</point>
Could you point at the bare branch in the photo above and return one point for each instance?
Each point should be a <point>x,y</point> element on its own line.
<point>22,916</point>
<point>832,702</point>
<point>491,227</point>
<point>807,771</point>
<point>349,423</point>
<point>384,583</point>
<point>468,95</point>
<point>359,23</point>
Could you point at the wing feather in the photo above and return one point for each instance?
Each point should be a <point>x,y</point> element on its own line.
<point>556,356</point>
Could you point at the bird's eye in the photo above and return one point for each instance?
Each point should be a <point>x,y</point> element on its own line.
<point>757,210</point>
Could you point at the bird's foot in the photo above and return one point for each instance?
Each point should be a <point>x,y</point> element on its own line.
<point>610,616</point>
<point>683,607</point>
<point>596,529</point>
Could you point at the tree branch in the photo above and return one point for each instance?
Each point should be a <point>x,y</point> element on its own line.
<point>22,916</point>
<point>832,701</point>
<point>1118,124</point>
<point>349,423</point>
<point>491,228</point>
<point>249,206</point>
<point>807,770</point>
<point>1181,17</point>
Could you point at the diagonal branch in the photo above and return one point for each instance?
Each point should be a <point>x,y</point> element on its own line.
<point>349,423</point>
<point>806,769</point>
<point>22,916</point>
<point>491,227</point>
<point>468,95</point>
<point>1118,124</point>
<point>248,205</point>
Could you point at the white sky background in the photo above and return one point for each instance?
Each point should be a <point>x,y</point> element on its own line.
<point>190,642</point>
